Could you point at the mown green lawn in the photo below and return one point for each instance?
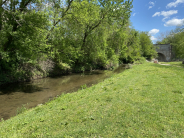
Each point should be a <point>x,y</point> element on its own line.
<point>145,101</point>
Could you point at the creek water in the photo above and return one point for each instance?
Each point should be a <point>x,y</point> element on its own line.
<point>14,96</point>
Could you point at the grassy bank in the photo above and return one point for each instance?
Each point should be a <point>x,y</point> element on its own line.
<point>145,101</point>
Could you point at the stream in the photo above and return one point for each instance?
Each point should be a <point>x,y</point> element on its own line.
<point>30,94</point>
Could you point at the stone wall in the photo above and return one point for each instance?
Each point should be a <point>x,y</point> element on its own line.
<point>164,52</point>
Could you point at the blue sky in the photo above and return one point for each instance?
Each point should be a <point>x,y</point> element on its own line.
<point>157,16</point>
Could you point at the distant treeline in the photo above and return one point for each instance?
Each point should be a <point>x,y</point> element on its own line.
<point>75,34</point>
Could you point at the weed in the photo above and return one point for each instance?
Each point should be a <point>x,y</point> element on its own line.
<point>83,86</point>
<point>21,109</point>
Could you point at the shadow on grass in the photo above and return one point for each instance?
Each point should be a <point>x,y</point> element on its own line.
<point>178,92</point>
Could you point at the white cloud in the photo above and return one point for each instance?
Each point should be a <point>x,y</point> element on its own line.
<point>153,38</point>
<point>164,19</point>
<point>174,4</point>
<point>152,4</point>
<point>175,22</point>
<point>156,13</point>
<point>153,31</point>
<point>165,13</point>
<point>134,14</point>
<point>169,13</point>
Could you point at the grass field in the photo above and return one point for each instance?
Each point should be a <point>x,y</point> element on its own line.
<point>145,101</point>
<point>176,63</point>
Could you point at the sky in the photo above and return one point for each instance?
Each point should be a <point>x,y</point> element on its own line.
<point>157,16</point>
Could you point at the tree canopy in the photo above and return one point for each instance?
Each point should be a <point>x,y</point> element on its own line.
<point>80,34</point>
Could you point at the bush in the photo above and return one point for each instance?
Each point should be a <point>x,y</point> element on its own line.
<point>140,60</point>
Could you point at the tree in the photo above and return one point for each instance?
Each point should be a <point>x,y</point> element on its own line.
<point>80,34</point>
<point>86,29</point>
<point>148,50</point>
<point>22,34</point>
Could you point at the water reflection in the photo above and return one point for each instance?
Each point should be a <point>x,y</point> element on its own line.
<point>20,87</point>
<point>39,91</point>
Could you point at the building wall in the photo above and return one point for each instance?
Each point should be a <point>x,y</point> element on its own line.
<point>165,50</point>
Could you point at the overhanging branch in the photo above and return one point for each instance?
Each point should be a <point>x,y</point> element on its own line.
<point>68,7</point>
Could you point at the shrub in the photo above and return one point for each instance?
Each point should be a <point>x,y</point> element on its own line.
<point>140,60</point>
